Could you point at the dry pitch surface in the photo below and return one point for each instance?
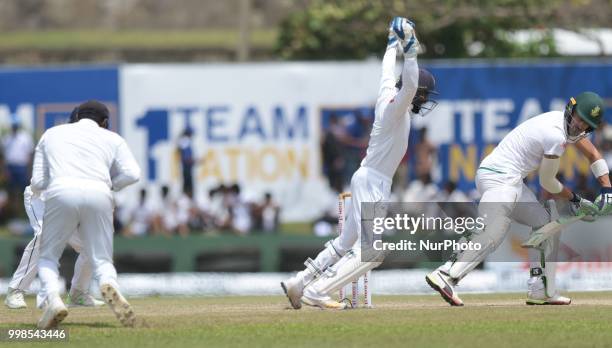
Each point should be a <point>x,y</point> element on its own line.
<point>500,320</point>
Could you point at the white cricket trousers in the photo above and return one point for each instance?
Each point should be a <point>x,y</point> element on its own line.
<point>28,266</point>
<point>514,200</point>
<point>506,195</point>
<point>503,198</point>
<point>367,185</point>
<point>86,207</point>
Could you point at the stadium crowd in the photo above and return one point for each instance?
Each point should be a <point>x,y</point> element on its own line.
<point>223,211</point>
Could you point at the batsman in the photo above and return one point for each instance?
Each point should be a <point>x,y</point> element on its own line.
<point>536,144</point>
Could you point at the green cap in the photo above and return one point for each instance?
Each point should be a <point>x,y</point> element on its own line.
<point>589,107</point>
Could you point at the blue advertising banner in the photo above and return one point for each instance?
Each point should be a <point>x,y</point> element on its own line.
<point>43,97</point>
<point>480,104</point>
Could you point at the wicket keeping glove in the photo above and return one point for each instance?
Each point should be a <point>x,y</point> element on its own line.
<point>581,206</point>
<point>604,201</point>
<point>402,31</point>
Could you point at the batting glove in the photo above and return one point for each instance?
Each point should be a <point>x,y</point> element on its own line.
<point>604,201</point>
<point>581,206</point>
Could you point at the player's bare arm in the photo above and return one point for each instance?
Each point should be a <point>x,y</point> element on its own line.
<point>599,167</point>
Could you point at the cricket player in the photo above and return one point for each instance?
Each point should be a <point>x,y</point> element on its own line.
<point>372,181</point>
<point>28,266</point>
<point>536,144</point>
<point>78,166</point>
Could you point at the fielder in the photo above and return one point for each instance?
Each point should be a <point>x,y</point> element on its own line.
<point>537,143</point>
<point>28,266</point>
<point>372,181</point>
<point>78,165</point>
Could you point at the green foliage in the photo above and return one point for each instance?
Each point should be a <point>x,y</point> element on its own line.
<point>349,29</point>
<point>332,30</point>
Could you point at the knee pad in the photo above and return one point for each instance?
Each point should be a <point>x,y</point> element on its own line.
<point>343,272</point>
<point>493,234</point>
<point>489,239</point>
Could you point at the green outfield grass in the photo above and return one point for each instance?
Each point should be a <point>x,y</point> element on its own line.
<point>397,321</point>
<point>84,40</point>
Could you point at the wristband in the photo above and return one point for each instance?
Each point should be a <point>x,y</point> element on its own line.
<point>600,168</point>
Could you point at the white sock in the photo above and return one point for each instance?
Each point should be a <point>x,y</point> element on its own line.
<point>49,277</point>
<point>107,274</point>
<point>82,275</point>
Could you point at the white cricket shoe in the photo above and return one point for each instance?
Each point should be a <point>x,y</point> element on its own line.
<point>54,312</point>
<point>536,294</point>
<point>118,304</point>
<point>443,283</point>
<point>14,299</point>
<point>402,31</point>
<point>324,303</point>
<point>294,289</point>
<point>313,299</point>
<point>77,298</point>
<point>557,300</point>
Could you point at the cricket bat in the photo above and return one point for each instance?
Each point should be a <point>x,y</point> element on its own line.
<point>549,230</point>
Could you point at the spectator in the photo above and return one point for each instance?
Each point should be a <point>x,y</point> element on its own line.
<point>140,217</point>
<point>18,149</point>
<point>455,203</point>
<point>198,213</point>
<point>331,149</point>
<point>184,206</point>
<point>267,215</point>
<point>185,150</point>
<point>452,194</point>
<point>327,224</point>
<point>356,141</point>
<point>419,191</point>
<point>164,216</point>
<point>425,153</point>
<point>218,212</point>
<point>4,204</point>
<point>240,211</point>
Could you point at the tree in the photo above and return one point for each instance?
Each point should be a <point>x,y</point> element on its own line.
<point>356,29</point>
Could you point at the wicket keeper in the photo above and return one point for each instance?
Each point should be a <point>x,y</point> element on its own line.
<point>397,102</point>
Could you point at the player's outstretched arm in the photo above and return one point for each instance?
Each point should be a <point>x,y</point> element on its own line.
<point>599,168</point>
<point>387,79</point>
<point>401,37</point>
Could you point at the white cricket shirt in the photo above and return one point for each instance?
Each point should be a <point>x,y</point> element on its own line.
<point>83,151</point>
<point>522,150</point>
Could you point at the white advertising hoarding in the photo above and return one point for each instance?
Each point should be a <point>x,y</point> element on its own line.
<point>254,124</point>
